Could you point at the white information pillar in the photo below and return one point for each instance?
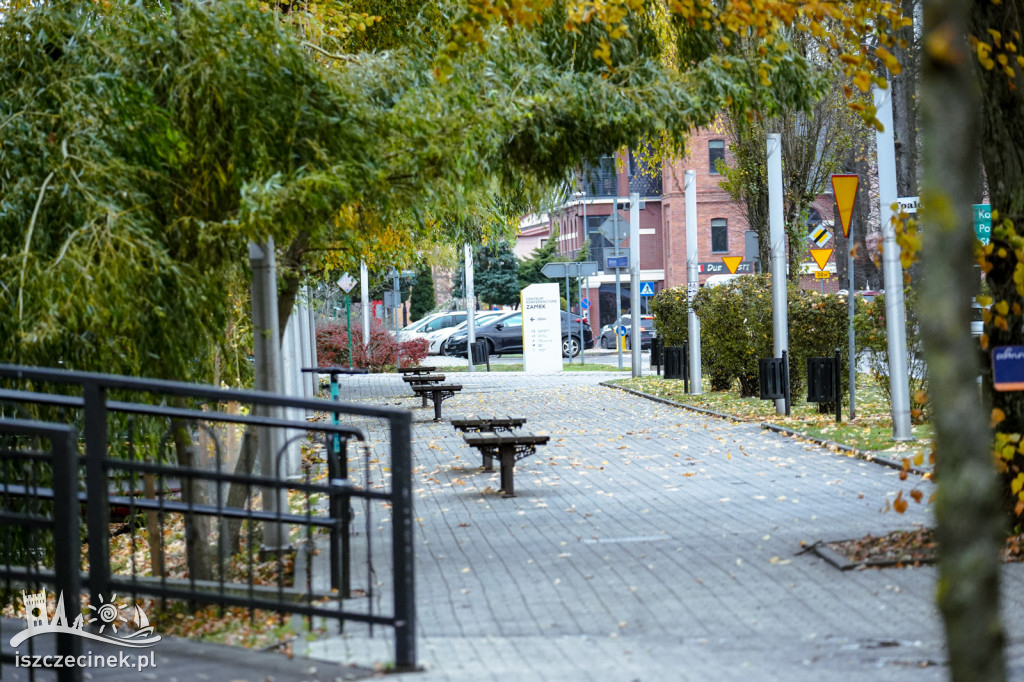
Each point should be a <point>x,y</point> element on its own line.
<point>470,308</point>
<point>692,281</point>
<point>777,235</point>
<point>364,299</point>
<point>542,328</point>
<point>892,271</point>
<point>634,282</point>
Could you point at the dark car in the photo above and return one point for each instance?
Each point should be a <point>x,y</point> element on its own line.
<point>610,332</point>
<point>505,335</point>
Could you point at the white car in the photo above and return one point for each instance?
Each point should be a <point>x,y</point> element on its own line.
<point>431,323</point>
<point>439,339</point>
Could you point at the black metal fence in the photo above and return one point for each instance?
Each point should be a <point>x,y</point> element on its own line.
<point>204,496</point>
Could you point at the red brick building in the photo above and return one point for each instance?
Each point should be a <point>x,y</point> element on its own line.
<point>587,218</point>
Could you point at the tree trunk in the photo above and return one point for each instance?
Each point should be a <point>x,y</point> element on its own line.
<point>290,267</point>
<point>198,528</point>
<point>238,493</point>
<point>967,511</point>
<point>1002,146</point>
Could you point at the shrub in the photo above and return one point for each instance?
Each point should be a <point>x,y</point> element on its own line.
<point>380,355</point>
<point>669,309</point>
<point>869,323</point>
<point>736,329</point>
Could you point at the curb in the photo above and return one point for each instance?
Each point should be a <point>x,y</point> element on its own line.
<point>782,430</point>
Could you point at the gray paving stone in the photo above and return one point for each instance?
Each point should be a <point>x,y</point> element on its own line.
<point>648,543</point>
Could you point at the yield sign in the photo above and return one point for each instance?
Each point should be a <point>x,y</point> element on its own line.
<point>732,262</point>
<point>821,257</point>
<point>844,187</point>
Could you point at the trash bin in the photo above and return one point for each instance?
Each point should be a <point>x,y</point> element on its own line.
<point>480,354</point>
<point>675,363</point>
<point>821,385</point>
<point>657,353</point>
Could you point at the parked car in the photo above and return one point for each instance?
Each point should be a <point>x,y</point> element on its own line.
<point>439,339</point>
<point>431,323</point>
<point>504,334</point>
<point>610,332</point>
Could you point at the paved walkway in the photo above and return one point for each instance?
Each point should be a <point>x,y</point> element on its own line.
<point>650,543</point>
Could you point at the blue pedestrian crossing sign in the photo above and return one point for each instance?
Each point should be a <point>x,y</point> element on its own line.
<point>647,288</point>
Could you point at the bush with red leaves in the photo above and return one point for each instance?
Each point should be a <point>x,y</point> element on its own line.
<point>379,355</point>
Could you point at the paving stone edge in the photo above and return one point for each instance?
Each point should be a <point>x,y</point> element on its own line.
<point>865,455</point>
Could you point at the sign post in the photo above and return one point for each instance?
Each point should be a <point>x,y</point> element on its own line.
<point>844,189</point>
<point>578,270</point>
<point>345,284</point>
<point>892,271</point>
<point>692,282</point>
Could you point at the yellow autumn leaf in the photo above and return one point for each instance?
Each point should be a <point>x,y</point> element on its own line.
<point>1017,483</point>
<point>997,416</point>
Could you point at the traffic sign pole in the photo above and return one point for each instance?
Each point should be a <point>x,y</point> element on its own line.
<point>892,271</point>
<point>844,189</point>
<point>579,286</point>
<point>692,282</point>
<point>618,272</point>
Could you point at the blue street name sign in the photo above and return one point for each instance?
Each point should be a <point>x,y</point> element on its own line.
<point>1008,368</point>
<point>617,262</point>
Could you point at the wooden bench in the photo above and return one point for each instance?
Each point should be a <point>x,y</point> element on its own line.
<point>509,448</point>
<point>438,393</point>
<point>480,424</point>
<point>423,380</point>
<point>406,371</point>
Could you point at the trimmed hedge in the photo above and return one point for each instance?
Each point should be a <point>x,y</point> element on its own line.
<point>736,329</point>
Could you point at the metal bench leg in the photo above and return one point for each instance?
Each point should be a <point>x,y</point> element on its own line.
<point>488,461</point>
<point>437,405</point>
<point>424,396</point>
<point>508,463</point>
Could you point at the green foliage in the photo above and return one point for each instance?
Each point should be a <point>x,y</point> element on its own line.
<point>137,159</point>
<point>869,324</point>
<point>495,275</point>
<point>670,315</point>
<point>736,329</point>
<point>421,300</point>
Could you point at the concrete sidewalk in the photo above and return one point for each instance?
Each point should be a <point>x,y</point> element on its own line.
<point>650,543</point>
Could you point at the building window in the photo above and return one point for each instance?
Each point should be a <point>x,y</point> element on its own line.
<point>716,151</point>
<point>719,235</point>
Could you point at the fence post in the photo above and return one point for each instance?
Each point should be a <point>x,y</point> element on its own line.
<point>402,528</point>
<point>67,541</point>
<point>96,492</point>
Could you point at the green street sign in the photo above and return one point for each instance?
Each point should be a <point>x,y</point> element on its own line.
<point>983,222</point>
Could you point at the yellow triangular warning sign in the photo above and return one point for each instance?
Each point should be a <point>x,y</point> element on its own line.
<point>844,187</point>
<point>821,257</point>
<point>732,262</point>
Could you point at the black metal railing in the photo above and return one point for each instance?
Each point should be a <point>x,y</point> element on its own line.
<point>161,459</point>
